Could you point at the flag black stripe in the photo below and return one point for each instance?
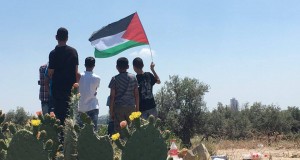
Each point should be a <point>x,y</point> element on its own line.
<point>113,28</point>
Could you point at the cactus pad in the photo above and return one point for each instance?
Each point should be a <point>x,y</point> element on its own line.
<point>90,147</point>
<point>145,143</point>
<point>25,146</point>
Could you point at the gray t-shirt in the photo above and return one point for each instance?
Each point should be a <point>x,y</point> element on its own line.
<point>124,85</point>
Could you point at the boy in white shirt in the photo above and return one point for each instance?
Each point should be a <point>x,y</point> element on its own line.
<point>88,84</point>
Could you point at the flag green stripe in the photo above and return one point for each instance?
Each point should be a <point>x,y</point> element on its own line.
<point>117,49</point>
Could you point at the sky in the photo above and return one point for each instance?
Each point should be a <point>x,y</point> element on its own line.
<point>246,49</point>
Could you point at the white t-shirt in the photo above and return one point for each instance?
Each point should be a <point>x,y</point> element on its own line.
<point>88,84</point>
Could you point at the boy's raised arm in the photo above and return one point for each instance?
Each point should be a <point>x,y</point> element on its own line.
<point>154,73</point>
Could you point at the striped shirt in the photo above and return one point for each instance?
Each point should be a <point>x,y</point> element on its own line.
<point>124,85</point>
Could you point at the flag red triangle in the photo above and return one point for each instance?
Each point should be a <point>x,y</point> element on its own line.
<point>135,31</point>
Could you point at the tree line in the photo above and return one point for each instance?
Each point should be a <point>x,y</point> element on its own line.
<point>183,111</point>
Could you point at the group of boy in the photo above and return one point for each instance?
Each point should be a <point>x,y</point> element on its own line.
<point>128,93</point>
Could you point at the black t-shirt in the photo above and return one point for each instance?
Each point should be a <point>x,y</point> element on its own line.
<point>146,82</point>
<point>63,59</point>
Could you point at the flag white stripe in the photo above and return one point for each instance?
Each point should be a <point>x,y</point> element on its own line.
<point>109,41</point>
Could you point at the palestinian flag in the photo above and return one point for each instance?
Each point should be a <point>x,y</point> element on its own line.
<point>119,36</point>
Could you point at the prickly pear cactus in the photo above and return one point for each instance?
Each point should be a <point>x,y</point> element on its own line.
<point>146,142</point>
<point>52,127</point>
<point>3,129</point>
<point>90,147</point>
<point>3,145</point>
<point>24,145</point>
<point>74,101</point>
<point>2,116</point>
<point>70,141</point>
<point>2,155</point>
<point>3,148</point>
<point>3,126</point>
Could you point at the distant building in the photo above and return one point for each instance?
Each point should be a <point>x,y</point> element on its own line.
<point>234,104</point>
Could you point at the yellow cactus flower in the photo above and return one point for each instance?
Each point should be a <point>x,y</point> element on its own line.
<point>131,117</point>
<point>138,114</point>
<point>135,115</point>
<point>115,137</point>
<point>35,122</point>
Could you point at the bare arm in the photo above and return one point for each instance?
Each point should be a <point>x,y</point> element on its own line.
<point>137,99</point>
<point>154,73</point>
<point>112,102</point>
<point>50,73</point>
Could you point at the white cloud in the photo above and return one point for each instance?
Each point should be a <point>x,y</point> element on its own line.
<point>143,53</point>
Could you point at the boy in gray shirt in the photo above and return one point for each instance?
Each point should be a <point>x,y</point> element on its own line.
<point>124,94</point>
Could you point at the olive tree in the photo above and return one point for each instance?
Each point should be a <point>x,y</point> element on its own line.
<point>181,107</point>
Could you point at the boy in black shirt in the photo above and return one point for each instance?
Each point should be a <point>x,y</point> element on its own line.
<point>146,80</point>
<point>63,70</point>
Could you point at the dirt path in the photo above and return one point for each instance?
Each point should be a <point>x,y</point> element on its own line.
<point>283,150</point>
<point>275,153</point>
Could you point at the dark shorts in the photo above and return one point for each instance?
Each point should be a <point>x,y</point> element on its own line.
<point>122,113</point>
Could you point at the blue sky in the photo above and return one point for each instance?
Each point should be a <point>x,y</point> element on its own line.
<point>247,49</point>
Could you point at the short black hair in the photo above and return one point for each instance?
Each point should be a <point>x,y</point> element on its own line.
<point>138,63</point>
<point>62,34</point>
<point>89,62</point>
<point>122,63</point>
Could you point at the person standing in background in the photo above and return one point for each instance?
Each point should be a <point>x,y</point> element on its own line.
<point>44,94</point>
